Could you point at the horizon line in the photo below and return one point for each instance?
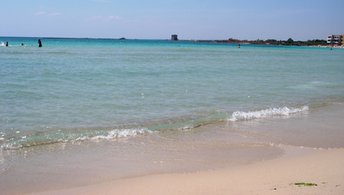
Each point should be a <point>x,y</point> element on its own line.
<point>112,38</point>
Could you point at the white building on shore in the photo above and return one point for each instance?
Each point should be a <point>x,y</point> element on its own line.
<point>335,39</point>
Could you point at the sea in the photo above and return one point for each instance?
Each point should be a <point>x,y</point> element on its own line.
<point>77,112</point>
<point>100,89</point>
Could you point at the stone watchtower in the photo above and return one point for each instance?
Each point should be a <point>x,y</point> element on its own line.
<point>174,37</point>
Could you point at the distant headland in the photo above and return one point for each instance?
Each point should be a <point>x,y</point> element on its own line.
<point>332,41</point>
<point>289,42</point>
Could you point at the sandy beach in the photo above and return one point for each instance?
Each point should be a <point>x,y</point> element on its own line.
<point>322,168</point>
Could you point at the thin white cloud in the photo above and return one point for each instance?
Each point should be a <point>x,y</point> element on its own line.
<point>109,18</point>
<point>46,13</point>
<point>113,18</point>
<point>40,13</point>
<point>54,14</point>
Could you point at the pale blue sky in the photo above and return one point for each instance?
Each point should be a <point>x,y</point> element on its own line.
<point>191,19</point>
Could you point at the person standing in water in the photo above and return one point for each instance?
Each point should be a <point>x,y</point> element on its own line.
<point>6,43</point>
<point>39,43</point>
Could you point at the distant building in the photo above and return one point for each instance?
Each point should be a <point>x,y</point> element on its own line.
<point>335,39</point>
<point>174,37</point>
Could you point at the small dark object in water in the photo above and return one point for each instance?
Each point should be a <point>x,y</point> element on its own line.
<point>39,43</point>
<point>22,44</point>
<point>6,43</point>
<point>239,46</point>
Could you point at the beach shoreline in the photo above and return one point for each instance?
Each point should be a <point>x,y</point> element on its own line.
<point>257,156</point>
<point>280,166</point>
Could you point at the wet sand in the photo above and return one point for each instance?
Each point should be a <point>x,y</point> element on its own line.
<point>321,168</point>
<point>83,164</point>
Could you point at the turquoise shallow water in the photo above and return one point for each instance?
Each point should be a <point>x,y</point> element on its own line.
<point>75,89</point>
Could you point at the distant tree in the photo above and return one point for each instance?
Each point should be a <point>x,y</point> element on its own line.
<point>232,40</point>
<point>290,41</point>
<point>316,42</point>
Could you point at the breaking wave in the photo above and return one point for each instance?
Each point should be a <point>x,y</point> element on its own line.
<point>117,133</point>
<point>65,137</point>
<point>267,113</point>
<point>21,140</point>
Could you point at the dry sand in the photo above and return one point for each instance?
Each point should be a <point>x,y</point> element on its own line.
<point>278,176</point>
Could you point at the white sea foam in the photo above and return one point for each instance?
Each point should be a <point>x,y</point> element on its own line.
<point>10,146</point>
<point>187,127</point>
<point>121,133</point>
<point>115,134</point>
<point>267,113</point>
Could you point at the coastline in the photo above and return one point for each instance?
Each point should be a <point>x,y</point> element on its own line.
<point>320,167</point>
<point>316,162</point>
<point>243,157</point>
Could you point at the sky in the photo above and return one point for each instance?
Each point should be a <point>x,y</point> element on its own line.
<point>190,19</point>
